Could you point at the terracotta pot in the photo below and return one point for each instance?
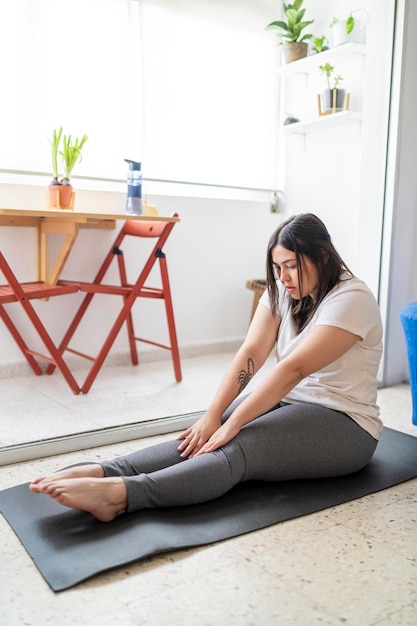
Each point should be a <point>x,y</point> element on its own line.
<point>295,50</point>
<point>61,197</point>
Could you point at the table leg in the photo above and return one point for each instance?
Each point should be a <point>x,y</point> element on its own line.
<point>70,230</point>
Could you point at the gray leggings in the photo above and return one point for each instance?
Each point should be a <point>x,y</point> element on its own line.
<point>291,441</point>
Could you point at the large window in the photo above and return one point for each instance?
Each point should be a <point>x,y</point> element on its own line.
<point>186,86</point>
<point>63,64</point>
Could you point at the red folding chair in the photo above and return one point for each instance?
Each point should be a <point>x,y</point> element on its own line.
<point>23,293</point>
<point>129,292</point>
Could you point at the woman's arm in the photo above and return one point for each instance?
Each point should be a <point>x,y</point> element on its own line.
<point>322,346</point>
<point>253,353</point>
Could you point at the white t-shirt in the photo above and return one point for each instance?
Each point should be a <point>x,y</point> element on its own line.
<point>349,383</point>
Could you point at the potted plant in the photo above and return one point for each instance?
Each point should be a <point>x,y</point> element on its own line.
<point>290,31</point>
<point>351,29</point>
<point>60,190</point>
<point>319,45</point>
<point>333,98</point>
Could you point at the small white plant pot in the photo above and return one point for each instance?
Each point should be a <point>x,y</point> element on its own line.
<point>340,36</point>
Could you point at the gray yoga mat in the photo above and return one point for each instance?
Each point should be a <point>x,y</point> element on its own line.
<point>70,546</point>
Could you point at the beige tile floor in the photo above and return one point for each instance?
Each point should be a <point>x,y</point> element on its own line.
<point>35,408</point>
<point>354,564</point>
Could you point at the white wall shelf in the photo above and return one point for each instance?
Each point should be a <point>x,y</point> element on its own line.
<point>322,123</point>
<point>340,54</point>
<point>309,66</point>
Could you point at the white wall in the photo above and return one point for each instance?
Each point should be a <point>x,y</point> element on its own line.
<point>220,244</point>
<point>339,172</point>
<point>215,248</point>
<point>369,200</point>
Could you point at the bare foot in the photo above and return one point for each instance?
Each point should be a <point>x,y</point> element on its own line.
<point>89,470</point>
<point>104,498</point>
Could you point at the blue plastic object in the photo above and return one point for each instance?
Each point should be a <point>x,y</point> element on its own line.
<point>134,188</point>
<point>408,317</point>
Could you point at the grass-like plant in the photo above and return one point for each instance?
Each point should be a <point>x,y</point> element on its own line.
<point>71,154</point>
<point>56,139</point>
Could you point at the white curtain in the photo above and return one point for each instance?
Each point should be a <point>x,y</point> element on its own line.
<point>64,64</point>
<point>210,91</point>
<point>188,87</point>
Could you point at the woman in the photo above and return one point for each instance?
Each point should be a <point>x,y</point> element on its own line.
<point>313,416</point>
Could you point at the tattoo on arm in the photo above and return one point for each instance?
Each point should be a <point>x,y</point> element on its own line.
<point>245,376</point>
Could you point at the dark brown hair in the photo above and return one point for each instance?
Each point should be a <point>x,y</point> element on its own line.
<point>306,236</point>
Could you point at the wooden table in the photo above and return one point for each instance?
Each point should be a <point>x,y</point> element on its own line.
<point>67,223</point>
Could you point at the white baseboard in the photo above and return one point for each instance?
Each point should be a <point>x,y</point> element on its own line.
<point>147,354</point>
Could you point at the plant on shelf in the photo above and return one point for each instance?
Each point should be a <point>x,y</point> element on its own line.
<point>290,31</point>
<point>319,44</point>
<point>348,24</point>
<point>333,98</point>
<point>351,29</point>
<point>60,190</point>
<point>329,71</point>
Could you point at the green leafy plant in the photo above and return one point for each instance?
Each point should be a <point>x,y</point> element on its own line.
<point>291,30</point>
<point>56,138</point>
<point>320,43</point>
<point>331,75</point>
<point>71,154</point>
<point>350,23</point>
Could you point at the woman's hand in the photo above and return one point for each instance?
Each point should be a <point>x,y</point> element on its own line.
<point>223,435</point>
<point>197,435</point>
